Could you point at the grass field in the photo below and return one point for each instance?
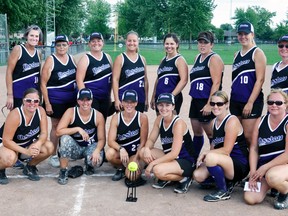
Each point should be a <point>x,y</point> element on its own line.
<point>155,52</point>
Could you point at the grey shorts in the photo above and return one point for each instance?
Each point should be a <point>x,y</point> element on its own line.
<point>69,148</point>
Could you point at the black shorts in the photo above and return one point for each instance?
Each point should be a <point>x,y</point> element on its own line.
<point>102,106</point>
<point>236,108</point>
<point>187,166</point>
<point>59,109</point>
<point>178,103</point>
<point>17,102</point>
<point>195,113</point>
<point>240,170</point>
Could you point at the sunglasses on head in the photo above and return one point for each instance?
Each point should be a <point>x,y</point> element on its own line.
<point>219,104</point>
<point>63,45</point>
<point>282,46</point>
<point>29,100</point>
<point>278,103</point>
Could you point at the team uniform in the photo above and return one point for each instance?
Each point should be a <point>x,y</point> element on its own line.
<point>186,157</point>
<point>279,77</point>
<point>239,153</point>
<point>98,79</point>
<point>168,78</point>
<point>200,87</point>
<point>132,77</point>
<point>271,142</point>
<point>243,81</point>
<point>26,74</point>
<point>128,133</point>
<point>61,86</point>
<point>26,133</point>
<point>74,146</point>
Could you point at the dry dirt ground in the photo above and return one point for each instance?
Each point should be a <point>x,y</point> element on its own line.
<point>98,195</point>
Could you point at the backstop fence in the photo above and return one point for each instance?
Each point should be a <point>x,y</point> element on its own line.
<point>4,41</point>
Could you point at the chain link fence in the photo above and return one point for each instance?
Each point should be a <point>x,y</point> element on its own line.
<point>4,42</point>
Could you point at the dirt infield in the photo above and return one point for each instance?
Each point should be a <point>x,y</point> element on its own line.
<point>98,195</point>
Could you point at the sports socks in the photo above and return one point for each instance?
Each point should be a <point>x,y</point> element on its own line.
<point>198,144</point>
<point>218,173</point>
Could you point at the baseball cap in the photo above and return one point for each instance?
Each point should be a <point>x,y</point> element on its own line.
<point>246,27</point>
<point>96,35</point>
<point>283,38</point>
<point>61,37</point>
<point>130,95</point>
<point>84,93</point>
<point>166,98</point>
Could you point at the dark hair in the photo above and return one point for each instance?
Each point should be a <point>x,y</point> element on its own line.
<point>174,37</point>
<point>33,27</point>
<point>30,91</point>
<point>206,34</point>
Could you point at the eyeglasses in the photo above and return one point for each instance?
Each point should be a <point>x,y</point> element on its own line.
<point>29,100</point>
<point>219,104</point>
<point>278,103</point>
<point>282,46</point>
<point>63,45</point>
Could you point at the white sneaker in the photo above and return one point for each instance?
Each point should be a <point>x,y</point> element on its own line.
<point>54,161</point>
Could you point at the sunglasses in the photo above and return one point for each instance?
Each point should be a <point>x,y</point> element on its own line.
<point>282,46</point>
<point>63,45</point>
<point>219,104</point>
<point>278,103</point>
<point>29,100</point>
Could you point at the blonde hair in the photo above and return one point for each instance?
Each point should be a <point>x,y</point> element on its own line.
<point>134,33</point>
<point>221,94</point>
<point>281,92</point>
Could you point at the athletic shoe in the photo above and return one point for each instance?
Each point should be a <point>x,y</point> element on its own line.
<point>89,170</point>
<point>183,187</point>
<point>230,186</point>
<point>273,193</point>
<point>281,202</point>
<point>160,184</point>
<point>18,165</point>
<point>120,173</point>
<point>138,182</point>
<point>31,172</point>
<point>217,196</point>
<point>63,176</point>
<point>3,177</point>
<point>54,161</point>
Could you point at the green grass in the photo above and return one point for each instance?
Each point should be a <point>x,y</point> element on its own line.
<point>154,53</point>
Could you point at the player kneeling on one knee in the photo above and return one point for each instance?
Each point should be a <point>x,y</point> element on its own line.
<point>82,131</point>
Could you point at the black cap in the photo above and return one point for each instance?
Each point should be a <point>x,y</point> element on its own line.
<point>283,38</point>
<point>95,35</point>
<point>61,37</point>
<point>130,95</point>
<point>204,37</point>
<point>246,27</point>
<point>85,93</point>
<point>166,98</point>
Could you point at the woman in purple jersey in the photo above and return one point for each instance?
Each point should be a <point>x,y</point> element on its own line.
<point>172,73</point>
<point>23,67</point>
<point>58,87</point>
<point>268,155</point>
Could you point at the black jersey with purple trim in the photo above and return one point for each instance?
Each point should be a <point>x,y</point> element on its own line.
<point>132,77</point>
<point>244,77</point>
<point>271,142</point>
<point>279,77</point>
<point>200,78</point>
<point>26,72</point>
<point>166,137</point>
<point>128,133</point>
<point>240,148</point>
<point>89,127</point>
<point>61,85</point>
<point>98,76</point>
<point>27,132</point>
<point>168,76</point>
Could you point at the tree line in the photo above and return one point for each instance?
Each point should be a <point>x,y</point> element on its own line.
<point>147,17</point>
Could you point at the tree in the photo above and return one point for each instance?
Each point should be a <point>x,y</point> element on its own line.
<point>226,27</point>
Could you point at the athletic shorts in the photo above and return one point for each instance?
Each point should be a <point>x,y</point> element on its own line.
<point>59,109</point>
<point>102,106</point>
<point>140,107</point>
<point>195,113</point>
<point>69,148</point>
<point>236,108</point>
<point>240,170</point>
<point>187,166</point>
<point>17,102</point>
<point>178,103</point>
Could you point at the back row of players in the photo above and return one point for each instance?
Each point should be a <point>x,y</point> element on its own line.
<point>94,71</point>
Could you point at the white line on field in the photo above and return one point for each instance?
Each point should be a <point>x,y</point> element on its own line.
<point>79,198</point>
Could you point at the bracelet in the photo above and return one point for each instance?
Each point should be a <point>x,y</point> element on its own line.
<point>120,148</point>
